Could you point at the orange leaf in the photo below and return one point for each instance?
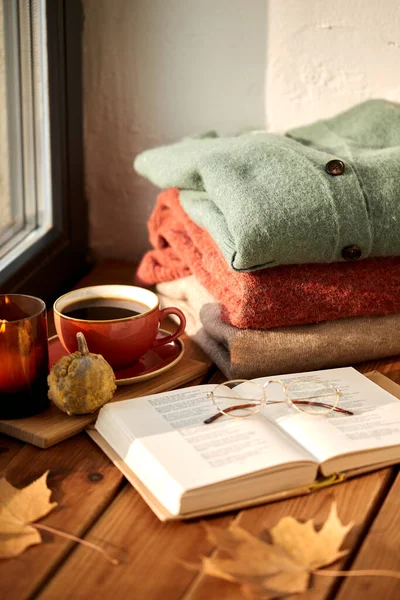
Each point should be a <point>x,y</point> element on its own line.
<point>283,567</point>
<point>18,509</point>
<point>308,547</point>
<point>254,562</point>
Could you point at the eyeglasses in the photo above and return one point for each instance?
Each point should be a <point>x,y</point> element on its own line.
<point>243,398</point>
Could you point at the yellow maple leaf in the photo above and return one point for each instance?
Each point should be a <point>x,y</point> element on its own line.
<point>18,509</point>
<point>308,547</point>
<point>282,567</point>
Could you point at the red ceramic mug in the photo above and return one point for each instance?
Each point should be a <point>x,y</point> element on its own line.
<point>121,341</point>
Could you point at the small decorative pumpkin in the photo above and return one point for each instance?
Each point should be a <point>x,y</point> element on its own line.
<point>81,382</point>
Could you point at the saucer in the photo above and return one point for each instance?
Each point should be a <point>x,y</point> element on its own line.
<point>153,363</point>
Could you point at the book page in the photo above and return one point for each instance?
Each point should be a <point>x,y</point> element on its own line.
<point>375,424</point>
<point>170,427</point>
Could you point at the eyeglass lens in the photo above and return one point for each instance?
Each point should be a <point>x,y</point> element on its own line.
<point>238,398</point>
<point>312,396</point>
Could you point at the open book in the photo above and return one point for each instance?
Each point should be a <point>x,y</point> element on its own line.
<point>184,468</point>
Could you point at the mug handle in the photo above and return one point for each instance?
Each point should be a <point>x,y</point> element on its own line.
<point>171,310</point>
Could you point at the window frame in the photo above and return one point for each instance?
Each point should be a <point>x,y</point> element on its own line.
<point>60,257</point>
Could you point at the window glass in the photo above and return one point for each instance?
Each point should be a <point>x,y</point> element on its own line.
<point>6,216</point>
<point>25,185</point>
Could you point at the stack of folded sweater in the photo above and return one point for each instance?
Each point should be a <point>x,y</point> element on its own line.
<point>282,250</point>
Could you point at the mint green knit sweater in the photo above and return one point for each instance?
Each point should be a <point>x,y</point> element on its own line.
<point>267,199</point>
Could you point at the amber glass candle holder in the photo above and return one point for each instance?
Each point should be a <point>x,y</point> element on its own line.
<point>23,356</point>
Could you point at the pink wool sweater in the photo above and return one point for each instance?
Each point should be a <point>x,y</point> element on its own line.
<point>275,297</point>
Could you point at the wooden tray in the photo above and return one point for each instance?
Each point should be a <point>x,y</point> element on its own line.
<point>53,426</point>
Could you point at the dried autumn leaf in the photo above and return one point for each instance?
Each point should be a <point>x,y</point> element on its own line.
<point>254,564</point>
<point>18,509</point>
<point>308,547</point>
<point>253,561</point>
<point>283,567</point>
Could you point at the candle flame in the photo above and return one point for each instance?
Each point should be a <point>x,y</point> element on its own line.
<point>3,327</point>
<point>7,300</point>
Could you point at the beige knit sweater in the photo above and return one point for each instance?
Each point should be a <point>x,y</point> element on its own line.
<point>253,353</point>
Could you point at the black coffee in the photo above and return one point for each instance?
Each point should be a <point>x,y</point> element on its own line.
<point>104,309</point>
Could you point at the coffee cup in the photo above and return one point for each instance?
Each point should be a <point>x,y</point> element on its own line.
<point>120,322</point>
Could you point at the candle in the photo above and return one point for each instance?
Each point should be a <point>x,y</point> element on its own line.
<point>23,356</point>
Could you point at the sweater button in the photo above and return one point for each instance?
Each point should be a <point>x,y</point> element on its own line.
<point>335,167</point>
<point>351,253</point>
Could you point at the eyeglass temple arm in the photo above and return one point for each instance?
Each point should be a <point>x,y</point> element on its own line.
<point>335,408</point>
<point>229,409</point>
<point>241,406</point>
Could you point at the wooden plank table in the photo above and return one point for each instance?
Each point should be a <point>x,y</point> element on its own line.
<point>96,503</point>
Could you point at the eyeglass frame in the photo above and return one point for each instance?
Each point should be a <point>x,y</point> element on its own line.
<point>290,403</point>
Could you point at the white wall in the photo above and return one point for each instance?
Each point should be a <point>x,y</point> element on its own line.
<point>326,56</point>
<point>155,71</point>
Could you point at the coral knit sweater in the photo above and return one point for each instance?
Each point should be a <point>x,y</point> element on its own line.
<point>274,297</point>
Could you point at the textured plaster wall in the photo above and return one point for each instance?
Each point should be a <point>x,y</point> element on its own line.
<point>157,70</point>
<point>326,56</point>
